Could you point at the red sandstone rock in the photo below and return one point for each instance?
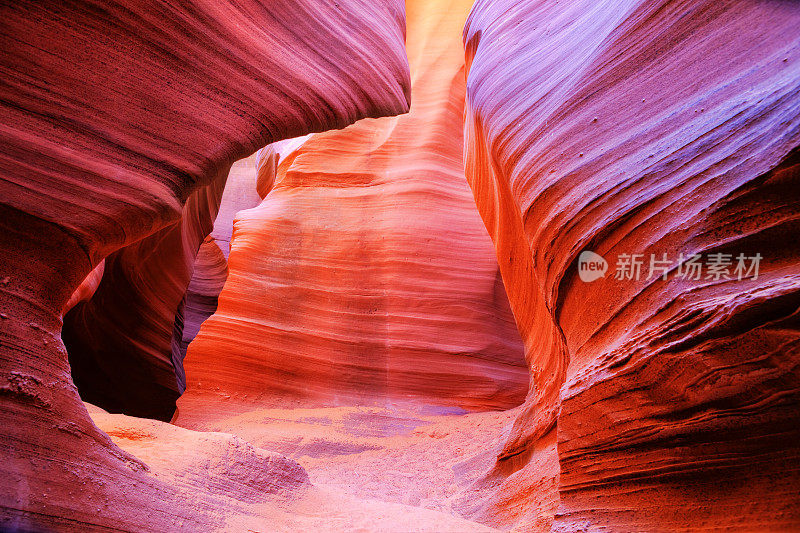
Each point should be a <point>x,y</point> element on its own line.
<point>210,269</point>
<point>87,288</point>
<point>366,274</point>
<point>199,302</point>
<point>113,117</point>
<point>267,168</point>
<point>644,128</point>
<point>241,192</point>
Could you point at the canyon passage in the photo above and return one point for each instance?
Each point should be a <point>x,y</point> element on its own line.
<point>374,265</point>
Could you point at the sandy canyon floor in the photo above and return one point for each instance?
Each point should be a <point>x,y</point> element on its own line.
<point>390,468</point>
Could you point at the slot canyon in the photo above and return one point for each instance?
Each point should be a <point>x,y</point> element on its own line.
<point>400,265</point>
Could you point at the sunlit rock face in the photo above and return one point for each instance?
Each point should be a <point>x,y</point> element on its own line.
<point>644,128</point>
<point>127,342</point>
<point>530,304</point>
<point>366,274</point>
<point>117,119</point>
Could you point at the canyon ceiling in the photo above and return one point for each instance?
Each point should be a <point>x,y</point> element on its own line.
<point>283,266</point>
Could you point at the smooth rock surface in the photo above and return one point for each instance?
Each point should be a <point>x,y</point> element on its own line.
<point>120,341</point>
<point>114,117</point>
<point>363,370</point>
<point>366,275</point>
<point>644,128</point>
<point>210,267</point>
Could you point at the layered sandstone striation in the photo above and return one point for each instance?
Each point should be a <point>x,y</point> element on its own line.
<point>362,366</point>
<point>365,275</point>
<point>643,128</point>
<point>210,266</point>
<point>117,120</point>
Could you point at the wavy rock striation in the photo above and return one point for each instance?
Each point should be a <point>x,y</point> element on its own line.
<point>210,268</point>
<point>366,274</point>
<point>117,119</point>
<point>648,128</point>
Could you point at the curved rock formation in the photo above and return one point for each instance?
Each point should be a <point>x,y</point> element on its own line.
<point>242,191</point>
<point>636,164</point>
<point>645,128</point>
<point>120,341</point>
<point>366,274</point>
<point>113,117</point>
<point>199,302</point>
<point>87,288</point>
<point>210,268</point>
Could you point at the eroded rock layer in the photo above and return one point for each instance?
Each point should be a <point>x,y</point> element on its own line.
<point>366,274</point>
<point>120,341</point>
<point>252,488</point>
<point>645,128</point>
<point>114,116</point>
<point>210,267</point>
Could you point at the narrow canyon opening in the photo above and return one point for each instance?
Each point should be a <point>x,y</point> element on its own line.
<point>317,324</point>
<point>343,307</point>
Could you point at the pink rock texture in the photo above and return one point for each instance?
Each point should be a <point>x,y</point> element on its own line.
<point>366,274</point>
<point>644,128</point>
<point>232,484</point>
<point>116,119</point>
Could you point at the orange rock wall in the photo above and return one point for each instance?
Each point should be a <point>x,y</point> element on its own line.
<point>644,128</point>
<point>366,274</point>
<point>210,267</point>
